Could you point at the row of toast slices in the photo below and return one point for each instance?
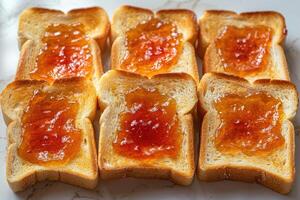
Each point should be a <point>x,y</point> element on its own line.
<point>180,82</point>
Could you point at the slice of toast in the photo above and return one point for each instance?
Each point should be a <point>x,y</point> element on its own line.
<point>114,86</point>
<point>82,169</point>
<point>213,25</point>
<point>33,23</point>
<point>274,170</point>
<point>127,18</point>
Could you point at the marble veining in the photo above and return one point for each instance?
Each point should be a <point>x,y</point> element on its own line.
<point>130,188</point>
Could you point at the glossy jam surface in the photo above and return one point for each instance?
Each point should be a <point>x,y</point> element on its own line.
<point>65,53</point>
<point>49,135</point>
<point>250,124</point>
<point>152,48</point>
<point>244,51</point>
<point>149,128</point>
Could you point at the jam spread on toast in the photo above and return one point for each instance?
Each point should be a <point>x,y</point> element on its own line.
<point>152,47</point>
<point>49,134</point>
<point>244,51</point>
<point>250,124</point>
<point>149,128</point>
<point>65,53</point>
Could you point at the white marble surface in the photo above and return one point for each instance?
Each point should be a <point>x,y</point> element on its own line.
<point>145,189</point>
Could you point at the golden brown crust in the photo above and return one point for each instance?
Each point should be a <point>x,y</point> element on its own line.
<point>44,10</point>
<point>32,24</point>
<point>207,60</point>
<point>285,73</point>
<point>34,175</point>
<point>190,21</point>
<point>229,171</point>
<point>130,8</point>
<point>243,173</point>
<point>139,169</point>
<point>211,63</point>
<point>119,13</point>
<point>83,170</point>
<point>220,12</point>
<point>263,82</point>
<point>25,54</point>
<point>278,82</point>
<point>179,75</point>
<point>30,51</point>
<point>150,173</point>
<point>213,20</point>
<point>281,84</point>
<point>27,83</point>
<point>115,57</point>
<point>116,60</point>
<point>270,14</point>
<point>244,16</point>
<point>186,18</point>
<point>127,17</point>
<point>194,71</point>
<point>103,18</point>
<point>92,18</point>
<point>85,10</point>
<point>191,154</point>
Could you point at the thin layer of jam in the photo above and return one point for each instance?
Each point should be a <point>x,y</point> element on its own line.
<point>149,128</point>
<point>49,135</point>
<point>249,124</point>
<point>65,53</point>
<point>244,51</point>
<point>152,47</point>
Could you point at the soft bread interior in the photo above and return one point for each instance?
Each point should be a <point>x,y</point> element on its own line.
<point>34,21</point>
<point>82,170</point>
<point>31,50</point>
<point>279,163</point>
<point>113,87</point>
<point>276,67</point>
<point>126,18</point>
<point>183,65</point>
<point>212,23</point>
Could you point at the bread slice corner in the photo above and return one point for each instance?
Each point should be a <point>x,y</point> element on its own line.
<point>82,170</point>
<point>213,22</point>
<point>128,17</point>
<point>114,85</point>
<point>34,21</point>
<point>277,170</point>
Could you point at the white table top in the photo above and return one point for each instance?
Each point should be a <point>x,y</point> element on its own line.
<point>130,188</point>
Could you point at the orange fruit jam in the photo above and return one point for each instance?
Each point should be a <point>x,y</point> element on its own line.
<point>49,135</point>
<point>65,53</point>
<point>244,51</point>
<point>152,48</point>
<point>149,129</point>
<point>250,124</point>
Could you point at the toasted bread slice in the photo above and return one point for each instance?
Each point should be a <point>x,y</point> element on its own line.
<point>114,86</point>
<point>126,18</point>
<point>275,170</point>
<point>33,23</point>
<point>213,24</point>
<point>82,170</point>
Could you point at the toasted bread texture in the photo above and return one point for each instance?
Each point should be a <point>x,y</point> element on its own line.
<point>275,170</point>
<point>126,18</point>
<point>82,170</point>
<point>214,22</point>
<point>114,85</point>
<point>34,21</point>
